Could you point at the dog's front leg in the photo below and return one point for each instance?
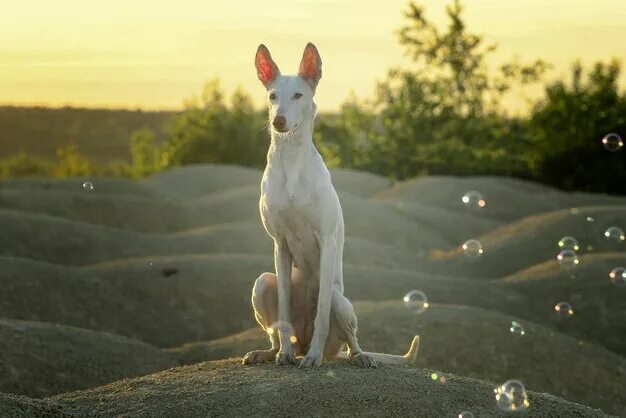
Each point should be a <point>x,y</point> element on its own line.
<point>328,270</point>
<point>283,262</point>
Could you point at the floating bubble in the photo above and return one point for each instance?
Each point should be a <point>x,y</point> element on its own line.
<point>569,243</point>
<point>564,310</point>
<point>590,219</point>
<point>466,414</point>
<point>618,276</point>
<point>568,259</point>
<point>614,233</point>
<point>517,328</point>
<point>416,300</point>
<point>472,248</point>
<point>88,186</point>
<point>612,142</point>
<point>474,200</point>
<point>512,396</point>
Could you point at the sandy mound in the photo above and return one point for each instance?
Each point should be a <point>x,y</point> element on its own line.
<point>108,186</point>
<point>14,406</point>
<point>339,389</point>
<point>507,198</point>
<point>171,261</point>
<point>40,359</point>
<point>458,339</point>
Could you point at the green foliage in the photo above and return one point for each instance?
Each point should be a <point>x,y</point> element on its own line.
<point>146,154</point>
<point>442,116</point>
<point>210,131</point>
<point>23,165</point>
<point>344,139</point>
<point>101,134</point>
<point>71,163</point>
<point>568,126</point>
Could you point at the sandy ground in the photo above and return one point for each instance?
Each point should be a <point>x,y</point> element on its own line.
<point>140,276</point>
<point>226,388</point>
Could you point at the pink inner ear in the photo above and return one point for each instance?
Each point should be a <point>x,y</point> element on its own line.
<point>265,70</point>
<point>309,67</point>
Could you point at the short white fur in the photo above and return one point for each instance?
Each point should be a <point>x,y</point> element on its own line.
<point>301,211</point>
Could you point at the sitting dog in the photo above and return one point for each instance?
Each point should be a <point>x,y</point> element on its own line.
<point>302,306</point>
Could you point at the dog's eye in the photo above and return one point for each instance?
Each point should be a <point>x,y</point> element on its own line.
<point>297,95</point>
<point>273,96</point>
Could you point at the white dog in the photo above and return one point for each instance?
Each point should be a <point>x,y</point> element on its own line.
<point>302,306</point>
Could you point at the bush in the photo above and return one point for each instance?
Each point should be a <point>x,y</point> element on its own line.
<point>24,165</point>
<point>210,131</point>
<point>568,126</point>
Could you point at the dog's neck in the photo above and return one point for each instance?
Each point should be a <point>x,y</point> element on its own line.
<point>290,152</point>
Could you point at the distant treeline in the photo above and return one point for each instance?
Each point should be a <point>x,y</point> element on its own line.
<point>100,134</point>
<point>443,114</point>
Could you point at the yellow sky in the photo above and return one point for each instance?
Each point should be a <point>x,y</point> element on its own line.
<point>154,54</point>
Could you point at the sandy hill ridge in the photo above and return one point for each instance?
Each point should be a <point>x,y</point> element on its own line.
<point>226,388</point>
<point>140,276</point>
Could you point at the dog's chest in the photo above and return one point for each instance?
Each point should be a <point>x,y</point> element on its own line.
<point>294,217</point>
<point>288,210</point>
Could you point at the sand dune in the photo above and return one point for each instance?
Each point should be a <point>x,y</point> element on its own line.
<point>225,387</point>
<point>22,407</point>
<point>142,274</point>
<point>42,359</point>
<point>459,339</point>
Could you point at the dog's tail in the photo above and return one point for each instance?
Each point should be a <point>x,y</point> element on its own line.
<point>408,358</point>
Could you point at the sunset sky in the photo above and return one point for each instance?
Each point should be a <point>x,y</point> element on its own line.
<point>154,54</point>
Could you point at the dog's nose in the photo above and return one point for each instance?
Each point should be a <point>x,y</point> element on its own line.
<point>279,123</point>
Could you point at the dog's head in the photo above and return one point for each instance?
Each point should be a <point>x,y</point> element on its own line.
<point>289,97</point>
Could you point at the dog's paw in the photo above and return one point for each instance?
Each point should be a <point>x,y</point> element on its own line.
<point>363,360</point>
<point>259,356</point>
<point>284,359</point>
<point>313,358</point>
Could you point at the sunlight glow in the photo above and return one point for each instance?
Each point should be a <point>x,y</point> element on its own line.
<point>156,54</point>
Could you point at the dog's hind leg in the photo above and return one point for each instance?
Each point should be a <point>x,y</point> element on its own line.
<point>343,313</point>
<point>265,304</point>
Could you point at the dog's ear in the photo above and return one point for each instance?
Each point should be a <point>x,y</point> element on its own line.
<point>311,66</point>
<point>266,68</point>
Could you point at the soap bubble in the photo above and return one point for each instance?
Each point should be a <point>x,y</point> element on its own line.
<point>567,259</point>
<point>614,233</point>
<point>474,200</point>
<point>569,243</point>
<point>512,396</point>
<point>517,328</point>
<point>466,414</point>
<point>564,310</point>
<point>88,186</point>
<point>618,276</point>
<point>472,248</point>
<point>416,300</point>
<point>590,219</point>
<point>612,142</point>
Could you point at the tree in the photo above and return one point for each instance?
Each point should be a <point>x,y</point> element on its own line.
<point>71,163</point>
<point>442,115</point>
<point>568,126</point>
<point>209,131</point>
<point>146,154</point>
